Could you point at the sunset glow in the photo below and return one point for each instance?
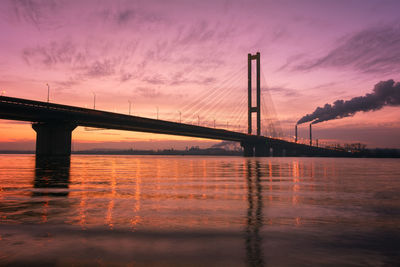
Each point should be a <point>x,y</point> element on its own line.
<point>162,55</point>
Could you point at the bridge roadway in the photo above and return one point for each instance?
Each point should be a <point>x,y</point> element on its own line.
<point>54,124</point>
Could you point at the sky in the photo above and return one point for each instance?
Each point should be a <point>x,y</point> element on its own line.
<point>188,60</point>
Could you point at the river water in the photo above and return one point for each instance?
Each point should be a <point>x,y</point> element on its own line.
<point>216,211</point>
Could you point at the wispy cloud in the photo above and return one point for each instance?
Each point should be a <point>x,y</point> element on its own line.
<point>128,15</point>
<point>61,52</point>
<point>83,61</point>
<point>148,92</point>
<point>156,79</point>
<point>178,78</point>
<point>101,68</point>
<point>287,92</point>
<point>374,50</point>
<point>124,16</point>
<point>71,81</point>
<point>36,12</point>
<point>125,76</point>
<point>198,32</point>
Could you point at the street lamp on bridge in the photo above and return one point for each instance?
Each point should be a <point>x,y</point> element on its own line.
<point>48,92</point>
<point>157,112</point>
<point>94,100</point>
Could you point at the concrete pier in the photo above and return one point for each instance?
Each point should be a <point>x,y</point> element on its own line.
<point>248,149</point>
<point>53,138</point>
<point>261,150</point>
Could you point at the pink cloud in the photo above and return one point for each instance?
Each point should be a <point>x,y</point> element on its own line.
<point>178,54</point>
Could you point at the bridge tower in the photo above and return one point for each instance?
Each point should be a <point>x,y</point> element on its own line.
<point>257,108</point>
<point>259,148</point>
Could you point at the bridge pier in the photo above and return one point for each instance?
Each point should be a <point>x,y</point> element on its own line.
<point>53,138</point>
<point>259,149</point>
<point>248,149</point>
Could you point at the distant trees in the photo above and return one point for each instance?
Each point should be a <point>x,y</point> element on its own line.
<point>353,148</point>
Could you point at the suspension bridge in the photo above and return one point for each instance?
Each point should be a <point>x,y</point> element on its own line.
<point>54,123</point>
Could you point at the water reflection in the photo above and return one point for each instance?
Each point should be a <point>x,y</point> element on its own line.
<point>136,218</point>
<point>320,211</point>
<point>51,177</point>
<point>254,214</point>
<point>113,196</point>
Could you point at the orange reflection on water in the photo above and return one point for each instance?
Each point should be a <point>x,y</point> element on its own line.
<point>325,171</point>
<point>270,169</point>
<point>196,194</point>
<point>82,202</point>
<point>270,180</point>
<point>296,181</point>
<point>113,190</point>
<point>82,216</point>
<point>136,218</point>
<point>1,191</point>
<point>109,219</point>
<point>295,171</point>
<point>312,169</point>
<point>45,210</point>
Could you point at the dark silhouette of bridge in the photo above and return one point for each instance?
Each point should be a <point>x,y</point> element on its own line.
<point>54,124</point>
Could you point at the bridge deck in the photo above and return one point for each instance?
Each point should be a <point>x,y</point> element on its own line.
<point>52,114</point>
<point>37,111</point>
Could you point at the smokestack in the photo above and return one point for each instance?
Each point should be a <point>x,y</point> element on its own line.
<point>310,134</point>
<point>295,133</point>
<point>385,93</point>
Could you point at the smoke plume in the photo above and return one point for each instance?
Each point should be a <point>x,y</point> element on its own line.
<point>385,93</point>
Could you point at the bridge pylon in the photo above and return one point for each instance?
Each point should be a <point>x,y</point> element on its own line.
<point>258,149</point>
<point>257,108</point>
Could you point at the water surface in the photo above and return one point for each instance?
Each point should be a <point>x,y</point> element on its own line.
<point>180,210</point>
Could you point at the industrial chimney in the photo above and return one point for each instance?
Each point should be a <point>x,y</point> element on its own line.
<point>310,134</point>
<point>295,133</point>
